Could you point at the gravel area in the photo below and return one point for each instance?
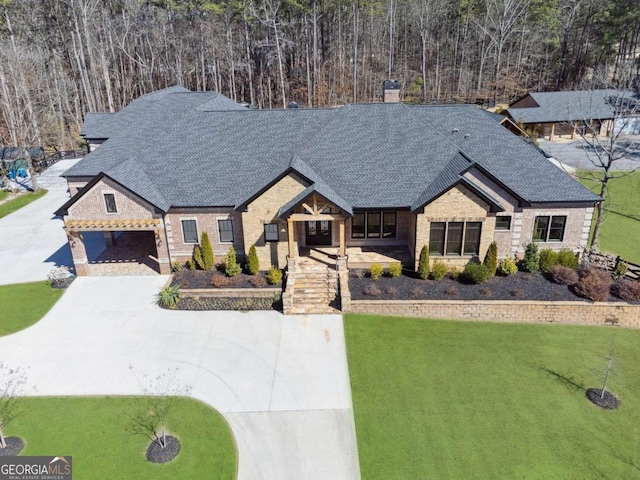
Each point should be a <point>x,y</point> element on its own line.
<point>15,445</point>
<point>158,454</point>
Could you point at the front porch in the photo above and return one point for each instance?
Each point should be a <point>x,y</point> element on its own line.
<point>362,257</point>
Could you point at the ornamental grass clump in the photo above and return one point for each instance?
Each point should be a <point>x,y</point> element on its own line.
<point>395,270</point>
<point>438,270</point>
<point>169,296</point>
<point>593,284</point>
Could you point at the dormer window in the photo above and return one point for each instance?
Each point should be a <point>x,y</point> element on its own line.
<point>110,203</point>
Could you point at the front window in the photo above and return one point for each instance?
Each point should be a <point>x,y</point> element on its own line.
<point>503,222</point>
<point>374,224</point>
<point>271,232</point>
<point>110,203</point>
<point>549,228</point>
<point>225,229</point>
<point>455,238</point>
<point>189,231</point>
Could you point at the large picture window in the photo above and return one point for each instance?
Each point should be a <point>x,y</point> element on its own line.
<point>225,229</point>
<point>549,228</point>
<point>189,231</point>
<point>455,238</point>
<point>374,224</point>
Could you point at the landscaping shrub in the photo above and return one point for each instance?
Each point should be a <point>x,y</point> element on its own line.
<point>169,296</point>
<point>274,275</point>
<point>253,265</point>
<point>531,261</point>
<point>423,263</point>
<point>620,271</point>
<point>372,291</point>
<point>507,267</point>
<point>191,265</point>
<point>593,284</point>
<point>376,271</point>
<point>548,259</point>
<point>564,275</point>
<point>628,290</point>
<point>258,281</point>
<point>567,258</point>
<point>416,292</point>
<point>452,291</point>
<point>454,273</point>
<point>516,292</point>
<point>491,258</point>
<point>208,259</point>
<point>197,257</point>
<point>475,273</point>
<point>175,266</point>
<point>231,266</point>
<point>219,281</point>
<point>395,270</point>
<point>486,291</point>
<point>392,291</point>
<point>438,270</point>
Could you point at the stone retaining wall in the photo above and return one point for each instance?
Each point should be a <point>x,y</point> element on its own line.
<point>581,313</point>
<point>231,292</point>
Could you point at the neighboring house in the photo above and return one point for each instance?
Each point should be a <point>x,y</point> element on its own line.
<point>556,114</point>
<point>384,177</point>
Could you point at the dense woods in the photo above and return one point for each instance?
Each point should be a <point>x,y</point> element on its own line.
<point>62,58</point>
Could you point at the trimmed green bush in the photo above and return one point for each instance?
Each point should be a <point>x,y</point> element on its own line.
<point>208,259</point>
<point>507,266</point>
<point>169,296</point>
<point>491,258</point>
<point>567,258</point>
<point>438,270</point>
<point>531,261</point>
<point>191,265</point>
<point>423,263</point>
<point>620,271</point>
<point>253,265</point>
<point>197,257</point>
<point>274,275</point>
<point>548,259</point>
<point>231,266</point>
<point>375,271</point>
<point>395,270</point>
<point>475,273</point>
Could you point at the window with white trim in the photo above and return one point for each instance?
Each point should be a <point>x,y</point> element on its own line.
<point>189,231</point>
<point>225,229</point>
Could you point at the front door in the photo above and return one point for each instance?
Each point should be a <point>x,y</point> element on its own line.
<point>318,232</point>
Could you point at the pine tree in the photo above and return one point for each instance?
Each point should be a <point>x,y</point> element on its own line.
<point>491,258</point>
<point>208,259</point>
<point>197,257</point>
<point>232,267</point>
<point>254,263</point>
<point>423,263</point>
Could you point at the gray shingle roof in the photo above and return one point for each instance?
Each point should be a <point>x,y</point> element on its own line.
<point>569,106</point>
<point>359,156</point>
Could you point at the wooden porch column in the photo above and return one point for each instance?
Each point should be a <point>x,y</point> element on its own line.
<point>553,130</point>
<point>292,249</point>
<point>342,238</point>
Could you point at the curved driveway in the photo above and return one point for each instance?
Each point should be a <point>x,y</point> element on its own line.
<point>281,382</point>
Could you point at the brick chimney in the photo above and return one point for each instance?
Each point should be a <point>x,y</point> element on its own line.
<point>391,91</point>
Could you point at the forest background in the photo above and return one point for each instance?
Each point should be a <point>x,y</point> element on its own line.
<point>60,59</point>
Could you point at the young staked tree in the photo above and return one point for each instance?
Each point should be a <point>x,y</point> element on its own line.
<point>150,419</point>
<point>614,152</point>
<point>12,381</point>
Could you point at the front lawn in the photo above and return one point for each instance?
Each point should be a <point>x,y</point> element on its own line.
<point>621,228</point>
<point>94,431</point>
<point>448,399</point>
<point>20,201</point>
<point>23,304</point>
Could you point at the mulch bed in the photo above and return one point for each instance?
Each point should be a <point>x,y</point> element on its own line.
<point>520,286</point>
<point>158,454</point>
<point>198,279</point>
<point>14,446</point>
<point>608,401</point>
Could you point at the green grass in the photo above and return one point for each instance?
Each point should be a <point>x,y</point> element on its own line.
<point>3,194</point>
<point>19,202</point>
<point>39,297</point>
<point>461,400</point>
<point>94,431</point>
<point>621,228</point>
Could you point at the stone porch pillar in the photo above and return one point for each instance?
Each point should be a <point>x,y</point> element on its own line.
<point>343,247</point>
<point>78,253</point>
<point>162,248</point>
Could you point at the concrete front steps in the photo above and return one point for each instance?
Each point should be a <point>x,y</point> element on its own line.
<point>315,291</point>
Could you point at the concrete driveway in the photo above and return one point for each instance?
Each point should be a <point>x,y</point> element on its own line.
<point>281,382</point>
<point>580,155</point>
<point>32,240</point>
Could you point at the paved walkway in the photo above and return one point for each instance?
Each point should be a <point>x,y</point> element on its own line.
<point>281,382</point>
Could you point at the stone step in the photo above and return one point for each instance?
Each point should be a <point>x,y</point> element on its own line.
<point>314,311</point>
